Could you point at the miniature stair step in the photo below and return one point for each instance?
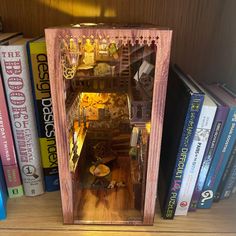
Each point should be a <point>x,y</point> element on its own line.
<point>125,61</point>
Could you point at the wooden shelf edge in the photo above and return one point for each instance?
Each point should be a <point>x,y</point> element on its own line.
<point>43,216</point>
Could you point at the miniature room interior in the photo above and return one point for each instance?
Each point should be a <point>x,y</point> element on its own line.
<point>103,111</point>
<point>108,90</point>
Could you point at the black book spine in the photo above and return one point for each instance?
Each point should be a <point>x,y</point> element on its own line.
<point>188,132</point>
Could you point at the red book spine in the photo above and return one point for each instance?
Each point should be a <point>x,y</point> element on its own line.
<point>7,150</point>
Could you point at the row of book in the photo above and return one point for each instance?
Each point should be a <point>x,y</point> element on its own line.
<point>27,140</point>
<point>198,164</point>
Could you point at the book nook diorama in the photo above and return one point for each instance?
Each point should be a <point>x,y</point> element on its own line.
<point>108,86</point>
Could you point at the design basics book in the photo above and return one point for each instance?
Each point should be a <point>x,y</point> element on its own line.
<point>39,75</point>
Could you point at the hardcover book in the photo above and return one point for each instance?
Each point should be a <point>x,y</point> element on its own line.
<point>3,195</point>
<point>217,127</point>
<point>197,150</point>
<point>182,111</point>
<point>39,75</point>
<point>16,79</point>
<point>7,146</point>
<point>224,147</point>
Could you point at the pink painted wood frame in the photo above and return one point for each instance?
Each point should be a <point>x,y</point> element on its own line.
<point>162,38</point>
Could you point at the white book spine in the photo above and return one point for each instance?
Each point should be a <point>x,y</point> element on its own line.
<point>194,158</point>
<point>21,107</point>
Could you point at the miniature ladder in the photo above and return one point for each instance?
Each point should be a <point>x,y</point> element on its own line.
<point>125,66</point>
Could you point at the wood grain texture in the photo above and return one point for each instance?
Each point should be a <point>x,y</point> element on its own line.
<point>44,215</point>
<point>158,106</point>
<point>53,37</point>
<point>92,233</point>
<point>204,38</point>
<point>204,43</point>
<point>103,205</point>
<point>60,123</point>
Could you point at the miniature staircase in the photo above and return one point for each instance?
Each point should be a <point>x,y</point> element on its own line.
<point>121,144</point>
<point>124,67</point>
<point>125,61</point>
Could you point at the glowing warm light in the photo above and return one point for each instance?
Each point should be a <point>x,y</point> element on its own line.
<point>110,13</point>
<point>88,24</point>
<point>148,127</point>
<point>80,9</point>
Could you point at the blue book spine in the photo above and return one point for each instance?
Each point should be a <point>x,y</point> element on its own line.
<point>3,195</point>
<point>219,121</point>
<point>190,125</point>
<point>217,196</point>
<point>231,176</point>
<point>220,160</point>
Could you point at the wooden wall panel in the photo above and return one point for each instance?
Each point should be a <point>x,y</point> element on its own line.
<point>220,63</point>
<point>204,39</point>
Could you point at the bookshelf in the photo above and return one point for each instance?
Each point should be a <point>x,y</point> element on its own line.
<point>43,216</point>
<point>202,45</point>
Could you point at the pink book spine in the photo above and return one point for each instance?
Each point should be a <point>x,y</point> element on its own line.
<point>7,150</point>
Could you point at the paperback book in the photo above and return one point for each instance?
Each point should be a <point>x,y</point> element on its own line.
<point>39,76</point>
<point>3,195</point>
<point>197,150</point>
<point>216,130</point>
<point>8,38</point>
<point>7,146</point>
<point>182,111</point>
<point>223,150</point>
<point>17,84</point>
<point>229,178</point>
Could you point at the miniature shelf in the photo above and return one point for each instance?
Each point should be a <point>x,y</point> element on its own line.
<point>42,215</point>
<point>105,84</point>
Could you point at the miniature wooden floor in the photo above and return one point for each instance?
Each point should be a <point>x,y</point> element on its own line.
<point>106,205</point>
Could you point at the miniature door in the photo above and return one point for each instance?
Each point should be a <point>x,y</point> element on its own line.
<point>108,88</point>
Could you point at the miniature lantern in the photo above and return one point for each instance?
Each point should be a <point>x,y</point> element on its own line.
<point>108,91</point>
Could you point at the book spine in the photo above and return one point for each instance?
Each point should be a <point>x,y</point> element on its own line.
<point>43,110</point>
<point>21,108</point>
<point>231,176</point>
<point>228,168</point>
<point>194,159</point>
<point>190,125</point>
<point>3,195</point>
<point>234,189</point>
<point>217,127</point>
<point>7,150</point>
<point>220,160</point>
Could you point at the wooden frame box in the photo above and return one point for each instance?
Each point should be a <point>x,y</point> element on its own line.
<point>108,85</point>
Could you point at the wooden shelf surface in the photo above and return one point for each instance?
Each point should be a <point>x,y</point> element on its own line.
<point>42,215</point>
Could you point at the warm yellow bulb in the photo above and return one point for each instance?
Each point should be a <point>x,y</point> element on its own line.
<point>148,127</point>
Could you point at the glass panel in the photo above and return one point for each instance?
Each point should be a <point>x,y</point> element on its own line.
<point>108,90</point>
